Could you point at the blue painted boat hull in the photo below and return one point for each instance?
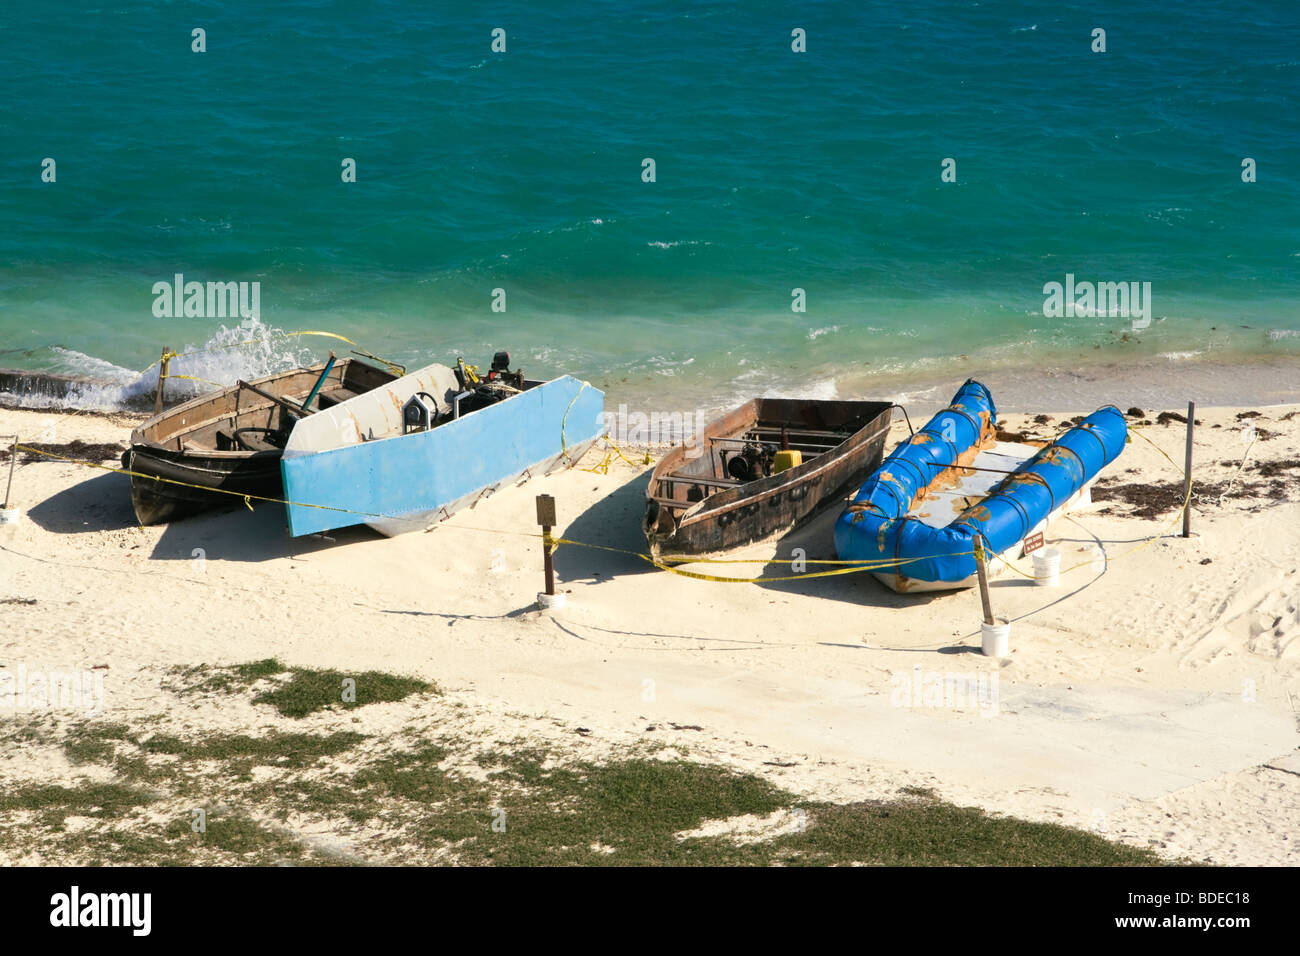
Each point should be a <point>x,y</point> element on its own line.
<point>876,527</point>
<point>413,480</point>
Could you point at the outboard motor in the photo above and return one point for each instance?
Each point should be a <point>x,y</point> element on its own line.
<point>751,462</point>
<point>500,371</point>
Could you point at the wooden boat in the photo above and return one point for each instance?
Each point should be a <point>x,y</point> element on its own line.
<point>232,439</point>
<point>416,450</point>
<point>730,487</point>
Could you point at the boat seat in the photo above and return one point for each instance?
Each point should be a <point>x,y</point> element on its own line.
<point>702,480</point>
<point>334,396</point>
<point>674,502</point>
<point>226,440</point>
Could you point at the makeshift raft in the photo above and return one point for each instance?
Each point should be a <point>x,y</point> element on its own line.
<point>953,484</point>
<point>413,452</point>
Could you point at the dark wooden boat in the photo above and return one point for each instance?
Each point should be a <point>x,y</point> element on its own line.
<point>725,489</point>
<point>232,439</point>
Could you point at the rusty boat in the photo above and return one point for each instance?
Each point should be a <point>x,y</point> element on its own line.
<point>761,470</point>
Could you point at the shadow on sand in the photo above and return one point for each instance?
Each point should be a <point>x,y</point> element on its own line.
<point>816,539</point>
<point>102,503</point>
<point>237,534</point>
<point>612,522</point>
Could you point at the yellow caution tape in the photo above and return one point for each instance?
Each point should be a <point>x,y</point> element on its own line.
<point>552,543</point>
<point>564,445</point>
<point>1187,499</point>
<point>247,498</point>
<point>613,449</point>
<point>393,366</point>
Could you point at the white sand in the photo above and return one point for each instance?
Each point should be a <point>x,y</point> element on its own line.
<point>1155,702</point>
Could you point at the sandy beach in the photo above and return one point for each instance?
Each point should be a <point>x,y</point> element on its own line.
<point>1153,697</point>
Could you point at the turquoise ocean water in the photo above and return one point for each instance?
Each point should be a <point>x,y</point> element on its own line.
<point>775,170</point>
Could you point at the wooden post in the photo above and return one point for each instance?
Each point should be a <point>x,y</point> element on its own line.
<point>162,378</point>
<point>546,518</point>
<point>982,572</point>
<point>13,457</point>
<point>1187,472</point>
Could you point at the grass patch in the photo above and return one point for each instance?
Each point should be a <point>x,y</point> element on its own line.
<point>118,847</point>
<point>923,793</point>
<point>327,799</point>
<point>634,807</point>
<point>240,836</point>
<point>55,803</point>
<point>941,834</point>
<point>94,742</point>
<point>285,750</point>
<point>308,691</point>
<point>227,838</point>
<point>521,804</point>
<point>304,690</point>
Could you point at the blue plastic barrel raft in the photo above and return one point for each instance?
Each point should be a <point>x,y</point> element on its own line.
<point>881,528</point>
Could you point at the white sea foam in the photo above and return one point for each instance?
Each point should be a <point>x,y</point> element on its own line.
<point>826,330</point>
<point>248,350</point>
<point>680,242</point>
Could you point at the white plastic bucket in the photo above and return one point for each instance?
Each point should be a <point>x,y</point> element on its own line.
<point>548,601</point>
<point>995,639</point>
<point>1047,567</point>
<point>10,515</point>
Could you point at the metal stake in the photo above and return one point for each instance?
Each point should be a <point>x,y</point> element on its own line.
<point>982,573</point>
<point>1187,472</point>
<point>13,459</point>
<point>546,518</point>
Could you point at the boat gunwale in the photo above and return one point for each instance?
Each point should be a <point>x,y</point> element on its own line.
<point>529,385</point>
<point>259,404</point>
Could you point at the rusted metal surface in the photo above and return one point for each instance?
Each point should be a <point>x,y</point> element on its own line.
<point>714,513</point>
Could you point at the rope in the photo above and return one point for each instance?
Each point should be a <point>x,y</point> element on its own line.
<point>612,450</point>
<point>548,541</point>
<point>1187,498</point>
<point>564,445</point>
<point>393,366</point>
<point>195,378</point>
<point>248,498</point>
<point>1239,470</point>
<point>552,543</point>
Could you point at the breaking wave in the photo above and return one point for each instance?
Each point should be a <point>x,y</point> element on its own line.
<point>76,380</point>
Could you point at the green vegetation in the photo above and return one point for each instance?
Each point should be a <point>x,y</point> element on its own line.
<point>54,804</point>
<point>299,691</point>
<point>284,750</point>
<point>410,799</point>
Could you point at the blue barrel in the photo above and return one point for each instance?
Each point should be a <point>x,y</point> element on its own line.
<point>874,527</point>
